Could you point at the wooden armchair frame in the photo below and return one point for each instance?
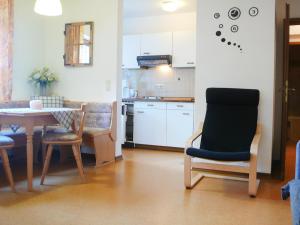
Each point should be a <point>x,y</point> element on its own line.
<point>224,166</point>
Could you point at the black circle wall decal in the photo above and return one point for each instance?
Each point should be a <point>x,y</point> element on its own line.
<point>221,26</point>
<point>253,11</point>
<point>234,28</point>
<point>234,44</point>
<point>229,43</point>
<point>234,13</point>
<point>217,15</point>
<point>223,39</point>
<point>239,46</point>
<point>218,33</point>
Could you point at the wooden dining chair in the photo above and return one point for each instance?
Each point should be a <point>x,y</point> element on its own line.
<point>5,144</point>
<point>71,138</point>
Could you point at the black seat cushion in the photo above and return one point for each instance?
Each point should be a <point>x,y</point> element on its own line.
<point>214,155</point>
<point>6,141</point>
<point>230,123</point>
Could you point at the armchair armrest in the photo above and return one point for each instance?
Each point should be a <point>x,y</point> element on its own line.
<point>194,137</point>
<point>256,140</point>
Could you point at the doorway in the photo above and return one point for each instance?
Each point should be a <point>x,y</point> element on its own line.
<point>291,111</point>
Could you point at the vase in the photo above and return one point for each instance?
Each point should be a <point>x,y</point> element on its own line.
<point>43,89</point>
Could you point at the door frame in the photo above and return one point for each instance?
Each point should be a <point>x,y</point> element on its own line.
<point>284,133</point>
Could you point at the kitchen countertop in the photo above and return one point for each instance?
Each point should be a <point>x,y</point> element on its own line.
<point>163,99</point>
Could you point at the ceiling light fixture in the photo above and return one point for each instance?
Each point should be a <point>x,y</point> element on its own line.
<point>48,7</point>
<point>171,5</point>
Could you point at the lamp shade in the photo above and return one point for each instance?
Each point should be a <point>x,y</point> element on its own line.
<point>48,7</point>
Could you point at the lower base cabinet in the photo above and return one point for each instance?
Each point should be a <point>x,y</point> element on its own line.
<point>163,124</point>
<point>150,126</point>
<point>180,126</point>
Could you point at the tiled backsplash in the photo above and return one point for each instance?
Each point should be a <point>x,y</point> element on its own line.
<point>162,81</point>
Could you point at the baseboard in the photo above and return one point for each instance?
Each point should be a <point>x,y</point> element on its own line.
<point>119,158</point>
<point>159,148</point>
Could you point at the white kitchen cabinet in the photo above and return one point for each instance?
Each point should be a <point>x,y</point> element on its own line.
<point>131,49</point>
<point>156,44</point>
<point>163,124</point>
<point>150,123</point>
<point>179,127</point>
<point>184,49</point>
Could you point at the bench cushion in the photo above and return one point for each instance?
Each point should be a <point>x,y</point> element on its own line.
<point>21,131</point>
<point>92,131</point>
<point>6,141</point>
<point>50,101</point>
<point>98,115</point>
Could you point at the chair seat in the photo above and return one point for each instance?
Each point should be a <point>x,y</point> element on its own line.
<point>60,137</point>
<point>6,142</point>
<point>223,156</point>
<point>57,130</point>
<point>93,131</point>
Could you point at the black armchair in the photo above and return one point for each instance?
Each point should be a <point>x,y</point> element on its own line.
<point>229,137</point>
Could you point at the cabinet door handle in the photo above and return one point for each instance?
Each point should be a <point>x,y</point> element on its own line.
<point>146,53</point>
<point>140,112</point>
<point>190,63</point>
<point>185,114</point>
<point>150,105</point>
<point>180,106</point>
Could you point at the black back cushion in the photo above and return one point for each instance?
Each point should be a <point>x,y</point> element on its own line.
<point>231,119</point>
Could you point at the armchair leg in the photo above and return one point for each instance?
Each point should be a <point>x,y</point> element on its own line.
<point>253,184</point>
<point>188,171</point>
<point>190,181</point>
<point>46,163</point>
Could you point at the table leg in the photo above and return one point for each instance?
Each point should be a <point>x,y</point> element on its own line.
<point>29,134</point>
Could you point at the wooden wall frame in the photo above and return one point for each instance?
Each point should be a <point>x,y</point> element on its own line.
<point>70,47</point>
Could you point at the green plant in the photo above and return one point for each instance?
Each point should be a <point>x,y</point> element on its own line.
<point>43,77</point>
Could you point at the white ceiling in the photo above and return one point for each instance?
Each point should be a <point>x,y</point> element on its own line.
<point>140,8</point>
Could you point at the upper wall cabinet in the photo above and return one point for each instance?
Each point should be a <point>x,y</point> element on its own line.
<point>131,49</point>
<point>156,44</point>
<point>184,49</point>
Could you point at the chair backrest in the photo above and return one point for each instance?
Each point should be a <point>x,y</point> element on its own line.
<point>82,119</point>
<point>231,119</point>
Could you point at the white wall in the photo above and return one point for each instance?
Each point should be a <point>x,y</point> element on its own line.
<point>164,23</point>
<point>220,65</point>
<point>93,83</point>
<point>28,47</point>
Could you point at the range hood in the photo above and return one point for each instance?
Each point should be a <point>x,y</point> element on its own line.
<point>154,60</point>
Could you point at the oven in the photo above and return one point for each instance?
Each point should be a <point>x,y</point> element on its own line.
<point>128,124</point>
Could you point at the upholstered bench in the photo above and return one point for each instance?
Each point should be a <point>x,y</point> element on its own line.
<point>99,135</point>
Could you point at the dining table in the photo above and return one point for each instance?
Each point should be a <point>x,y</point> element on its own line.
<point>31,118</point>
